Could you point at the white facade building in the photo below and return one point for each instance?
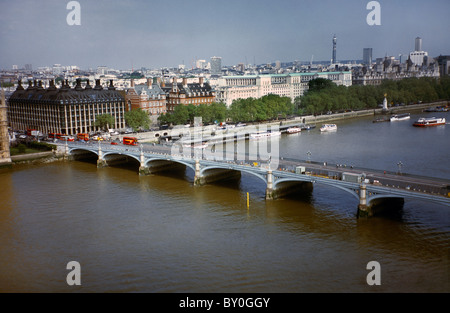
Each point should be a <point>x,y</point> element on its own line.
<point>293,85</point>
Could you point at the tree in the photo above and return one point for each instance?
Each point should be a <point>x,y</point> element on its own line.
<point>137,119</point>
<point>319,84</point>
<point>104,121</point>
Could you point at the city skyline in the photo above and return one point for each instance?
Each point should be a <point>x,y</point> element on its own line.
<point>155,34</point>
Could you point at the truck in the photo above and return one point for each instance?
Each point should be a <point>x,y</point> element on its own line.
<point>300,170</point>
<point>352,177</point>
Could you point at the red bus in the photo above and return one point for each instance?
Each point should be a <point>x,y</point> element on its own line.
<point>31,131</point>
<point>84,137</point>
<point>51,135</point>
<point>58,136</point>
<point>132,141</point>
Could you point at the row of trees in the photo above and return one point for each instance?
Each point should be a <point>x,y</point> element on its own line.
<point>242,110</point>
<point>323,95</point>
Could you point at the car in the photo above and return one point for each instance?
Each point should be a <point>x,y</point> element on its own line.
<point>114,143</point>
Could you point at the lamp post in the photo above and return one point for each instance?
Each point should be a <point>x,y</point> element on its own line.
<point>400,164</point>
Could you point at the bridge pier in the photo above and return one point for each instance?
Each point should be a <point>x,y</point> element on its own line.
<point>270,195</point>
<point>143,169</point>
<point>364,210</point>
<point>101,162</point>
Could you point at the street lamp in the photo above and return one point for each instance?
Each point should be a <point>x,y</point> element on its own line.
<point>399,164</point>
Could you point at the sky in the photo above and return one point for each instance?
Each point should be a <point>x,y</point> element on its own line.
<point>167,33</point>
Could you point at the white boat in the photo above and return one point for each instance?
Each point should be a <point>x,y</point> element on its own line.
<point>293,130</point>
<point>400,117</point>
<point>265,134</point>
<point>427,122</point>
<point>328,127</point>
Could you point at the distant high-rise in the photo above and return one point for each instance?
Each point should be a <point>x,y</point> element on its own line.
<point>418,44</point>
<point>367,56</point>
<point>216,65</point>
<point>333,60</point>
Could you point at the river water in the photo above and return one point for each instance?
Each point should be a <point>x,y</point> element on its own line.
<point>159,233</point>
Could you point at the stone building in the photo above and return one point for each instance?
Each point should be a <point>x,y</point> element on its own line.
<point>5,157</point>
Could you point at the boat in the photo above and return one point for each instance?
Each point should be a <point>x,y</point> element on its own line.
<point>381,119</point>
<point>436,109</point>
<point>293,130</point>
<point>400,117</point>
<point>328,127</point>
<point>264,134</point>
<point>427,122</point>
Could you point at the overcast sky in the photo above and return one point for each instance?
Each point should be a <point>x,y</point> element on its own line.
<point>166,33</point>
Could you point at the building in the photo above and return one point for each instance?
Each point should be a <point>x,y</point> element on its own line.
<point>187,93</point>
<point>333,59</point>
<point>418,56</point>
<point>367,56</point>
<point>293,85</point>
<point>148,97</point>
<point>444,64</point>
<point>5,157</point>
<point>64,110</point>
<point>216,66</point>
<point>393,69</point>
<point>418,44</point>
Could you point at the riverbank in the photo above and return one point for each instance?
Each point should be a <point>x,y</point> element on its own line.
<point>38,157</point>
<point>154,136</point>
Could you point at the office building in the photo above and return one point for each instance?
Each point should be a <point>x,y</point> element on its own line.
<point>293,85</point>
<point>64,110</point>
<point>333,60</point>
<point>367,56</point>
<point>216,66</point>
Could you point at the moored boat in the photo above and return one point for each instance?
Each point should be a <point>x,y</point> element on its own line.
<point>293,130</point>
<point>265,134</point>
<point>400,117</point>
<point>427,122</point>
<point>381,119</point>
<point>328,127</point>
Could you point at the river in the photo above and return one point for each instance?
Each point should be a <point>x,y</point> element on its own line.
<point>159,233</point>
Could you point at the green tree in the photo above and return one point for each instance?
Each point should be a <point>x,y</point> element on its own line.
<point>104,121</point>
<point>137,119</point>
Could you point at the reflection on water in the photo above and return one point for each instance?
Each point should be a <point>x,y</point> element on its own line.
<point>159,233</point>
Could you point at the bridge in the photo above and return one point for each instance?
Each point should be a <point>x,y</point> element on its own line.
<point>373,189</point>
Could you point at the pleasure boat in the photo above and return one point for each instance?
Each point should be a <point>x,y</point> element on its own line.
<point>264,134</point>
<point>328,127</point>
<point>293,130</point>
<point>427,122</point>
<point>400,117</point>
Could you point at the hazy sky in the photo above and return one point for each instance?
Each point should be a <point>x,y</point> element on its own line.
<point>157,33</point>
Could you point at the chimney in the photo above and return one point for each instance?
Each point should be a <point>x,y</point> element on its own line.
<point>52,85</point>
<point>184,81</point>
<point>98,86</point>
<point>132,83</point>
<point>111,85</point>
<point>149,82</point>
<point>30,85</point>
<point>201,81</point>
<point>78,86</point>
<point>88,86</point>
<point>19,85</point>
<point>163,83</point>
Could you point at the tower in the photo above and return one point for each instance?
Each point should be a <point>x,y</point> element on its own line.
<point>5,157</point>
<point>367,56</point>
<point>333,60</point>
<point>418,45</point>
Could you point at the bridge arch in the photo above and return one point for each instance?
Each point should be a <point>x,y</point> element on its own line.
<point>112,153</point>
<point>204,171</point>
<point>310,179</point>
<point>156,159</point>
